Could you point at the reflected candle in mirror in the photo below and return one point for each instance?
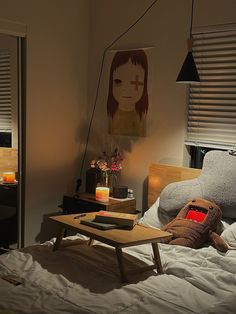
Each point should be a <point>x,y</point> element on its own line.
<point>8,177</point>
<point>102,194</point>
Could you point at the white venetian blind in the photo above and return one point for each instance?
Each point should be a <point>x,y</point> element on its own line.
<point>5,91</point>
<point>212,103</point>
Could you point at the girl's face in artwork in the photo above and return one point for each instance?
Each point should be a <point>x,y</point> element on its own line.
<point>128,85</point>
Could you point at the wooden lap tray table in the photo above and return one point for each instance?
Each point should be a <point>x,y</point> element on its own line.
<point>117,238</point>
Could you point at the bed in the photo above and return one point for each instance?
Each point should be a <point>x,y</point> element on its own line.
<point>83,279</point>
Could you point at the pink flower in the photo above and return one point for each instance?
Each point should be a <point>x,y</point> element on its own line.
<point>109,163</point>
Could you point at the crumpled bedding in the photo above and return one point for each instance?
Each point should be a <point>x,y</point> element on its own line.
<point>82,279</point>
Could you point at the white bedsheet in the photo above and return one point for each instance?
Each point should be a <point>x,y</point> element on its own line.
<point>83,279</point>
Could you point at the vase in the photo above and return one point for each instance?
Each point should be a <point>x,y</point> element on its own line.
<point>105,179</point>
<point>93,177</point>
<point>109,179</point>
<point>112,181</point>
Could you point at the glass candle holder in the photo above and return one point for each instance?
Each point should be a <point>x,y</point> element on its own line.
<point>102,194</point>
<point>8,177</point>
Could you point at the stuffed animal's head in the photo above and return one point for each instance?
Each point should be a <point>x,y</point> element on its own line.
<point>216,183</point>
<point>202,211</point>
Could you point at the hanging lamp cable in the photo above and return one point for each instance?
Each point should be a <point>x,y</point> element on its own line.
<point>188,73</point>
<point>191,23</point>
<point>190,39</point>
<point>79,181</point>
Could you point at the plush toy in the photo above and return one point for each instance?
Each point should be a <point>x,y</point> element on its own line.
<point>196,224</point>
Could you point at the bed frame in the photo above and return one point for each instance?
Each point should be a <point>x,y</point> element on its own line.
<point>161,175</point>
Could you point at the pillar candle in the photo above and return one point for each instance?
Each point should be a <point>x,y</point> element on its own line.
<point>102,194</point>
<point>8,177</point>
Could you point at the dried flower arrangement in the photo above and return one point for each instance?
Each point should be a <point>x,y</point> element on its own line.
<point>110,165</point>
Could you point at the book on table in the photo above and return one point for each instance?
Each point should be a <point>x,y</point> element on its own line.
<point>121,219</point>
<point>99,225</point>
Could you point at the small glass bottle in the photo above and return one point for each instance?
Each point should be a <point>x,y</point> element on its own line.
<point>130,193</point>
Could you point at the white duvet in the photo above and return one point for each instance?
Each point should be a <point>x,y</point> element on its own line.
<point>83,279</point>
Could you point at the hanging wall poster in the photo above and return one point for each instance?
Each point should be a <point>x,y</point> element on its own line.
<point>127,102</point>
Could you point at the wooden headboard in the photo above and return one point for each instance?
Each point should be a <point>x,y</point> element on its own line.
<point>161,175</point>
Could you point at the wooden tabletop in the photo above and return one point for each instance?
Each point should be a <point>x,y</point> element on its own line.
<point>114,237</point>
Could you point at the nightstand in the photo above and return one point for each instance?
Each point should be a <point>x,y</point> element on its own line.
<point>8,214</point>
<point>8,194</point>
<point>87,203</point>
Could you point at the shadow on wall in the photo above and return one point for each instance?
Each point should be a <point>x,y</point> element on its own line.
<point>170,161</point>
<point>48,229</point>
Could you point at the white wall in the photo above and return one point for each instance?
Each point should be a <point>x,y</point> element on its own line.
<point>166,28</point>
<point>57,61</point>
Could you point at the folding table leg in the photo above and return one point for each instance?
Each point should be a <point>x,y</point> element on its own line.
<point>121,264</point>
<point>157,258</point>
<point>60,234</point>
<point>90,242</point>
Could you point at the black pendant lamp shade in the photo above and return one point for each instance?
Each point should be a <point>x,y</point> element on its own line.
<point>188,72</point>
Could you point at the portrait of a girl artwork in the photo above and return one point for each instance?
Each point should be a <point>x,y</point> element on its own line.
<point>127,103</point>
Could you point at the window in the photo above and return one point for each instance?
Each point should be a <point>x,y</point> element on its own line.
<point>5,90</point>
<point>197,154</point>
<point>8,91</point>
<point>212,103</point>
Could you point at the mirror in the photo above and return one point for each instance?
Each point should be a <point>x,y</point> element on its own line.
<point>9,143</point>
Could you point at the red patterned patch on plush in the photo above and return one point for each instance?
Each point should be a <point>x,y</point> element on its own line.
<point>195,215</point>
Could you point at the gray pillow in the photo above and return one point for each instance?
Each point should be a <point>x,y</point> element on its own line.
<point>217,183</point>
